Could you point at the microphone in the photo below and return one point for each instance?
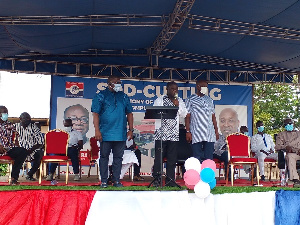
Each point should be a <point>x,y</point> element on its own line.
<point>176,96</point>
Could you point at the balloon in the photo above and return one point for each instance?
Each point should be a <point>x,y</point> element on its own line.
<point>207,175</point>
<point>208,163</point>
<point>191,177</point>
<point>202,189</point>
<point>190,186</point>
<point>213,183</point>
<point>192,163</point>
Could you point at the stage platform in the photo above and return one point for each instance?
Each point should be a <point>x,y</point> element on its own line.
<point>94,181</point>
<point>60,207</point>
<point>30,207</point>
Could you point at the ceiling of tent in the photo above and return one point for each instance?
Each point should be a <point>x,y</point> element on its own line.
<point>218,40</point>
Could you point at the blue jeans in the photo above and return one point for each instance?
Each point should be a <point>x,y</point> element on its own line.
<point>117,148</point>
<point>73,155</point>
<point>203,150</point>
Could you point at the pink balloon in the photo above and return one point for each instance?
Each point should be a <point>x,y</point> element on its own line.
<point>191,187</point>
<point>208,163</point>
<point>191,177</point>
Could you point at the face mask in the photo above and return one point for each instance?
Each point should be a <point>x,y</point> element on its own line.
<point>204,90</point>
<point>68,129</point>
<point>246,133</point>
<point>4,116</point>
<point>117,87</point>
<point>289,127</point>
<point>261,129</point>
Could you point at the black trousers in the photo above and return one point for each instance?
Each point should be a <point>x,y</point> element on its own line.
<point>137,168</point>
<point>36,162</point>
<point>281,159</point>
<point>170,152</point>
<point>18,154</point>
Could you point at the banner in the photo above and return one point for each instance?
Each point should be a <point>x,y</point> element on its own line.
<point>233,105</point>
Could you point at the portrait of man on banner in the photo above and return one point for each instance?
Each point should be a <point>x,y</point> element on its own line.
<point>78,110</point>
<point>230,118</point>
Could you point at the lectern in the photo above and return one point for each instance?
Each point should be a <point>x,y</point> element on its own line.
<point>161,112</point>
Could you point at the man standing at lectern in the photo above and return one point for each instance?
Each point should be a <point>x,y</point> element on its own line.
<point>167,130</point>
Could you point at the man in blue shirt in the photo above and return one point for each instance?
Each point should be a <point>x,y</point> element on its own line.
<point>112,111</point>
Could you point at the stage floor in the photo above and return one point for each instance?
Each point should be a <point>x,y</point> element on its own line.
<point>93,180</point>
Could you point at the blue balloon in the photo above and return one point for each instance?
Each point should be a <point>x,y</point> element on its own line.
<point>207,175</point>
<point>213,183</point>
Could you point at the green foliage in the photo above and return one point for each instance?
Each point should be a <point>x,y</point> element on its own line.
<point>3,169</point>
<point>273,103</point>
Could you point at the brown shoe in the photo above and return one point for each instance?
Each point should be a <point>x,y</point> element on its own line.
<point>138,178</point>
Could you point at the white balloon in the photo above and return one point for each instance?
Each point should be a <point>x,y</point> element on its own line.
<point>192,163</point>
<point>202,189</point>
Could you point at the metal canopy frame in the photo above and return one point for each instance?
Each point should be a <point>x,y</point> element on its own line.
<point>247,72</point>
<point>148,73</point>
<point>175,22</point>
<point>243,28</point>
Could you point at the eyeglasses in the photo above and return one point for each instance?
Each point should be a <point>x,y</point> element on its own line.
<point>81,119</point>
<point>289,123</point>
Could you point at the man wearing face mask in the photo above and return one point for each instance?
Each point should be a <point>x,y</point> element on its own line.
<point>112,111</point>
<point>74,146</point>
<point>289,141</point>
<point>263,146</point>
<point>31,138</point>
<point>167,130</point>
<point>200,122</point>
<point>9,145</point>
<point>244,130</point>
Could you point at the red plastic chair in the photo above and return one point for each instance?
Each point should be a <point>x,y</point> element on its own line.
<point>94,155</point>
<point>5,159</point>
<point>220,165</point>
<point>56,142</point>
<point>239,153</point>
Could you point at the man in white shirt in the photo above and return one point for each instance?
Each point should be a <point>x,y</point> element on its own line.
<point>74,146</point>
<point>200,122</point>
<point>263,146</point>
<point>167,130</point>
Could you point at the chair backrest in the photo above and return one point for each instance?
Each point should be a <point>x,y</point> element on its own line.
<point>238,145</point>
<point>94,148</point>
<point>56,142</point>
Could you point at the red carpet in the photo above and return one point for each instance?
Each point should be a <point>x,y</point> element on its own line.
<point>237,182</point>
<point>45,207</point>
